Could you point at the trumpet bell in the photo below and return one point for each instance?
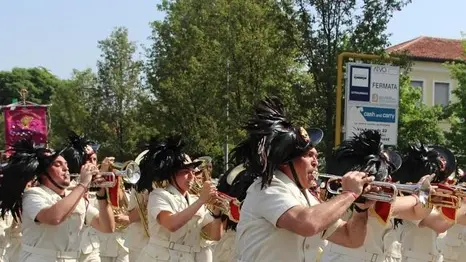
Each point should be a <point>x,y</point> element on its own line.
<point>387,194</point>
<point>423,190</point>
<point>131,173</point>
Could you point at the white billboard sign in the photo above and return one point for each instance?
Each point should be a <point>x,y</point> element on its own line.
<point>372,97</point>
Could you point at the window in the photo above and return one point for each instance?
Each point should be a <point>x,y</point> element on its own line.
<point>441,94</point>
<point>418,84</point>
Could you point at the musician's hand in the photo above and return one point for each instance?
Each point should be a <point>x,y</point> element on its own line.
<point>122,219</point>
<point>88,150</point>
<point>105,165</point>
<point>87,173</point>
<point>424,178</point>
<point>366,204</point>
<point>354,181</point>
<point>208,191</point>
<point>97,180</point>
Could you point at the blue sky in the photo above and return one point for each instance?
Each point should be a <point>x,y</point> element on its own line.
<point>62,35</point>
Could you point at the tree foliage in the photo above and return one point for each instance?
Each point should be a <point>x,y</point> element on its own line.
<point>457,134</point>
<point>115,101</point>
<point>71,106</point>
<point>322,30</point>
<point>417,121</point>
<point>207,57</point>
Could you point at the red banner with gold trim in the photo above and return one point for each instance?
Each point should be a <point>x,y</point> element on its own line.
<point>25,121</point>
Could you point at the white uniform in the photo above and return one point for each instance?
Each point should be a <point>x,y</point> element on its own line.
<point>90,243</point>
<point>44,243</point>
<point>382,244</point>
<point>205,255</point>
<point>10,238</point>
<point>13,236</point>
<point>419,244</point>
<point>453,244</point>
<point>112,246</point>
<point>135,236</point>
<point>179,246</point>
<point>258,238</point>
<point>225,249</point>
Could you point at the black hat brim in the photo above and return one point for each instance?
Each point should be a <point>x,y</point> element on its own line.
<point>449,157</point>
<point>316,135</point>
<point>95,147</point>
<point>395,159</point>
<point>193,164</point>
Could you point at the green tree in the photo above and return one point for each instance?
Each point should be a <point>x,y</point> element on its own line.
<point>323,29</point>
<point>71,106</point>
<point>114,102</point>
<point>38,81</point>
<point>417,121</point>
<point>457,135</point>
<point>206,57</point>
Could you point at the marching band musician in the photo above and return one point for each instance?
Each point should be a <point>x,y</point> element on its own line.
<point>52,217</point>
<point>79,152</point>
<point>176,218</point>
<point>229,184</point>
<point>382,243</point>
<point>202,174</point>
<point>137,232</point>
<point>280,219</point>
<point>419,237</point>
<point>454,241</point>
<point>112,244</point>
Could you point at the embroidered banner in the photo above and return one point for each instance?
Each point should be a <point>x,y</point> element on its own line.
<point>24,121</point>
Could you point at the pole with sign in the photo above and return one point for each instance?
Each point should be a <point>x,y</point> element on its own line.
<point>372,96</point>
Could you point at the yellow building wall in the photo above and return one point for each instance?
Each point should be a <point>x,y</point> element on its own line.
<point>429,73</point>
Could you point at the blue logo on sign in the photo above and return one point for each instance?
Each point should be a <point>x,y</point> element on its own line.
<point>360,83</point>
<point>377,114</point>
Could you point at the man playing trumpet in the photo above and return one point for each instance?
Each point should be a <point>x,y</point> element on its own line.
<point>52,217</point>
<point>176,217</point>
<point>365,151</point>
<point>280,220</point>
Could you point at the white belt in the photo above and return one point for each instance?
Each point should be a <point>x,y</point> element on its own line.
<point>419,256</point>
<point>357,253</point>
<point>174,246</point>
<point>51,253</point>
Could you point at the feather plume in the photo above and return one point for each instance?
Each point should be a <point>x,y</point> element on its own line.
<point>160,163</point>
<point>22,167</point>
<point>421,160</point>
<point>75,152</point>
<point>363,152</point>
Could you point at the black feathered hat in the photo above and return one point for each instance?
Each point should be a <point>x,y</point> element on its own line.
<point>163,159</point>
<point>364,152</point>
<point>274,140</point>
<point>235,183</point>
<point>26,164</point>
<point>421,160</point>
<point>78,151</point>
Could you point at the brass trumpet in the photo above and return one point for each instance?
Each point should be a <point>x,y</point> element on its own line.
<point>390,190</point>
<point>460,190</point>
<point>226,204</point>
<point>382,196</point>
<point>130,173</point>
<point>446,196</point>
